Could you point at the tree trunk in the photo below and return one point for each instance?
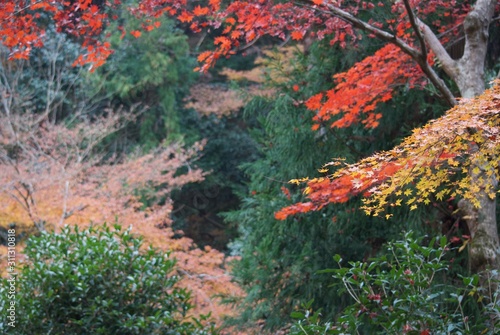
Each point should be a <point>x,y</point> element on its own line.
<point>468,74</point>
<point>484,250</point>
<point>484,246</point>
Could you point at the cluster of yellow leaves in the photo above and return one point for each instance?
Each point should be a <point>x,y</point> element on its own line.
<point>276,64</point>
<point>456,155</point>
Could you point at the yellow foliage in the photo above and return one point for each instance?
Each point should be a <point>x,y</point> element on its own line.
<point>455,155</point>
<point>275,64</point>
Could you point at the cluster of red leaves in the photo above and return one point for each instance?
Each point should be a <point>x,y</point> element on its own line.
<point>241,22</point>
<point>360,89</point>
<point>19,32</point>
<point>22,25</point>
<point>433,163</point>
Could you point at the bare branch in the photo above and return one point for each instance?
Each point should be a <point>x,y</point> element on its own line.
<point>449,65</point>
<point>416,28</point>
<point>391,38</point>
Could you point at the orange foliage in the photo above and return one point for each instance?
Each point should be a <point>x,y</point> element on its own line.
<point>363,86</point>
<point>52,175</point>
<point>431,164</point>
<point>53,181</point>
<point>358,90</point>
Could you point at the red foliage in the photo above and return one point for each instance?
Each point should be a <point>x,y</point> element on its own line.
<point>242,23</point>
<point>362,87</point>
<point>430,164</point>
<point>21,30</point>
<point>353,100</point>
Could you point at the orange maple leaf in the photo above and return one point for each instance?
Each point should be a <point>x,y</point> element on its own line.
<point>135,33</point>
<point>297,35</point>
<point>224,42</point>
<point>200,11</point>
<point>235,34</point>
<point>204,55</point>
<point>314,102</point>
<point>215,4</point>
<point>185,17</point>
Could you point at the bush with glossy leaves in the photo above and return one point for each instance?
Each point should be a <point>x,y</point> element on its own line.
<point>408,290</point>
<point>98,281</point>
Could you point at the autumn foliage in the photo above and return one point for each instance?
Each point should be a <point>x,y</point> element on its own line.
<point>241,23</point>
<point>431,164</point>
<point>22,26</point>
<point>54,174</point>
<point>359,90</point>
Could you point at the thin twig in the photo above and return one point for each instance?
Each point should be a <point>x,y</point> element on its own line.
<point>416,28</point>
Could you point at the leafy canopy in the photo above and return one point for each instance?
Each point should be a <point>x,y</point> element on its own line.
<point>239,24</point>
<point>432,163</point>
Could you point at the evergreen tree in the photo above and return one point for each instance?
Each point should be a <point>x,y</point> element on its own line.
<point>280,259</point>
<point>154,70</point>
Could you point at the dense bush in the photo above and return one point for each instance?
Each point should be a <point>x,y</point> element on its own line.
<point>407,291</point>
<point>97,281</point>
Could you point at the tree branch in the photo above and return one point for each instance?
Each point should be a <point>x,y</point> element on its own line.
<point>449,65</point>
<point>379,33</point>
<point>391,38</point>
<point>416,28</point>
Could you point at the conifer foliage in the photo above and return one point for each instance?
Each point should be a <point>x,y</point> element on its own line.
<point>280,259</point>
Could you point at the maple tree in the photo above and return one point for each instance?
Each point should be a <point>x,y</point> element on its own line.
<point>407,59</point>
<point>52,175</point>
<point>410,57</point>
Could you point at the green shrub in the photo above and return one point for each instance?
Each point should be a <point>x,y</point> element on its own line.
<point>406,291</point>
<point>97,281</point>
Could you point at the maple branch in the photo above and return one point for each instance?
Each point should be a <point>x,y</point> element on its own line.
<point>449,65</point>
<point>391,38</point>
<point>422,61</point>
<point>22,9</point>
<point>413,22</point>
<point>379,33</point>
<point>249,44</point>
